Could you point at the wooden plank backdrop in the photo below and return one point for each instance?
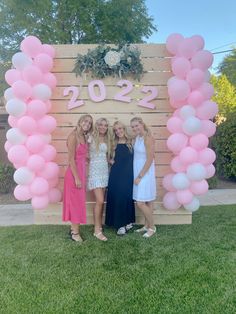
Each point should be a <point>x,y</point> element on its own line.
<point>156,62</point>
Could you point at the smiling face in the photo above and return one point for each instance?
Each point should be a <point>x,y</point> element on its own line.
<point>137,127</point>
<point>86,124</point>
<point>102,127</point>
<point>119,131</point>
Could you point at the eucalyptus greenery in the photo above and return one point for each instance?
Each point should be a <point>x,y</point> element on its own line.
<point>128,62</point>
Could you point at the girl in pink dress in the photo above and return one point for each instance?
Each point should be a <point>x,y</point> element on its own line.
<point>74,198</point>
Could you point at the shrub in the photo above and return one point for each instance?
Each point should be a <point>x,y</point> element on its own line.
<point>6,178</point>
<point>224,144</point>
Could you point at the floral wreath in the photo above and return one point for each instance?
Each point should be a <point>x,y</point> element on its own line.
<point>106,61</point>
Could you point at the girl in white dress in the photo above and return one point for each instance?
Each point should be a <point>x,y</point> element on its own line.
<point>144,189</point>
<point>99,152</point>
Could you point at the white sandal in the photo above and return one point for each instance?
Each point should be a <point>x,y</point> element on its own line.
<point>143,229</point>
<point>100,236</point>
<point>150,232</point>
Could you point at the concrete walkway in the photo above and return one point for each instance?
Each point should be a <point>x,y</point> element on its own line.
<point>23,214</point>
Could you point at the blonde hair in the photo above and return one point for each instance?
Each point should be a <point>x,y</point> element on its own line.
<point>107,135</point>
<point>140,120</point>
<point>115,138</point>
<point>78,127</point>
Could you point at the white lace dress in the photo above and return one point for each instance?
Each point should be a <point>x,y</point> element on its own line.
<point>145,191</point>
<point>98,166</point>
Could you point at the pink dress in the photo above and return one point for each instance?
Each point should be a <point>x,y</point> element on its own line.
<point>74,199</point>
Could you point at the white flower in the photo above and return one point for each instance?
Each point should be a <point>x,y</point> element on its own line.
<point>112,58</point>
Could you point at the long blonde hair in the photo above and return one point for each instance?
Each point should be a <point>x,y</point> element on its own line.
<point>115,138</point>
<point>140,120</point>
<point>78,127</point>
<point>107,135</point>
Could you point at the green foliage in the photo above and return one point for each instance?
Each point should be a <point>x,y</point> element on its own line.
<point>224,144</point>
<point>228,67</point>
<point>104,61</point>
<point>212,182</point>
<point>6,178</point>
<point>225,95</point>
<point>182,269</point>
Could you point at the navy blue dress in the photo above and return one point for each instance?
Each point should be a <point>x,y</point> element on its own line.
<point>120,209</point>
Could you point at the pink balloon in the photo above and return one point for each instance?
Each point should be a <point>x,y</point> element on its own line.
<point>7,146</point>
<point>195,78</point>
<point>198,41</point>
<point>50,171</point>
<point>172,43</point>
<point>53,182</point>
<point>195,98</point>
<point>188,155</point>
<point>207,90</point>
<point>12,75</point>
<point>44,62</point>
<point>187,48</point>
<point>199,187</point>
<point>18,154</point>
<point>34,143</point>
<point>207,110</point>
<point>31,46</point>
<point>176,142</point>
<point>27,125</point>
<point>179,90</point>
<point>176,165</point>
<point>36,109</point>
<point>50,80</point>
<point>54,195</point>
<point>180,67</point>
<point>210,171</point>
<point>22,90</point>
<point>47,124</point>
<point>206,156</point>
<point>177,104</point>
<point>40,202</point>
<point>174,125</point>
<point>199,141</point>
<point>32,75</point>
<point>48,105</point>
<point>170,201</point>
<point>39,186</point>
<point>22,193</point>
<point>184,196</point>
<point>12,121</point>
<point>208,128</point>
<point>48,153</point>
<point>36,163</point>
<point>48,49</point>
<point>202,59</point>
<point>167,182</point>
<point>172,80</point>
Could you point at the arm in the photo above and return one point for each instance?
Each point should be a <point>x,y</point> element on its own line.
<point>149,145</point>
<point>71,144</point>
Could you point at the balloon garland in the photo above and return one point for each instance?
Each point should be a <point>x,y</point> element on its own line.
<point>28,141</point>
<point>190,125</point>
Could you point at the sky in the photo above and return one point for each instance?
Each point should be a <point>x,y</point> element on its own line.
<point>214,20</point>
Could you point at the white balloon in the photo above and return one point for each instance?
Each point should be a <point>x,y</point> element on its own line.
<point>23,176</point>
<point>14,136</point>
<point>187,111</point>
<point>180,181</point>
<point>192,206</point>
<point>8,94</point>
<point>20,60</point>
<point>16,107</point>
<point>42,92</point>
<point>192,125</point>
<point>47,138</point>
<point>196,172</point>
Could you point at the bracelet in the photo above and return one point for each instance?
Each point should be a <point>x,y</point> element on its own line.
<point>139,176</point>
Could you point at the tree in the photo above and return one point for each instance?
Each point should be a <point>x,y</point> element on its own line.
<point>71,22</point>
<point>228,67</point>
<point>225,95</point>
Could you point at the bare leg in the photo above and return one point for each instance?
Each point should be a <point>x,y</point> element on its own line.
<point>98,212</point>
<point>75,234</point>
<point>148,214</point>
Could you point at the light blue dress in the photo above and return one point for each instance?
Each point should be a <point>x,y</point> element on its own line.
<point>145,191</point>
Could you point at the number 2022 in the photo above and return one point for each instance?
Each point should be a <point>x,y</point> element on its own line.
<point>126,87</point>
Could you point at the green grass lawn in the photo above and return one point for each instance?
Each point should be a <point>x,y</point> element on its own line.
<point>183,269</point>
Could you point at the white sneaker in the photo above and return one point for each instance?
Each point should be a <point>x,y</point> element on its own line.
<point>121,231</point>
<point>129,227</point>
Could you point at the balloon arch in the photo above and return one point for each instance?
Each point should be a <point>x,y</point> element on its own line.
<point>28,141</point>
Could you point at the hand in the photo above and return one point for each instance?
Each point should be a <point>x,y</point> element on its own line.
<point>78,183</point>
<point>111,161</point>
<point>137,181</point>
